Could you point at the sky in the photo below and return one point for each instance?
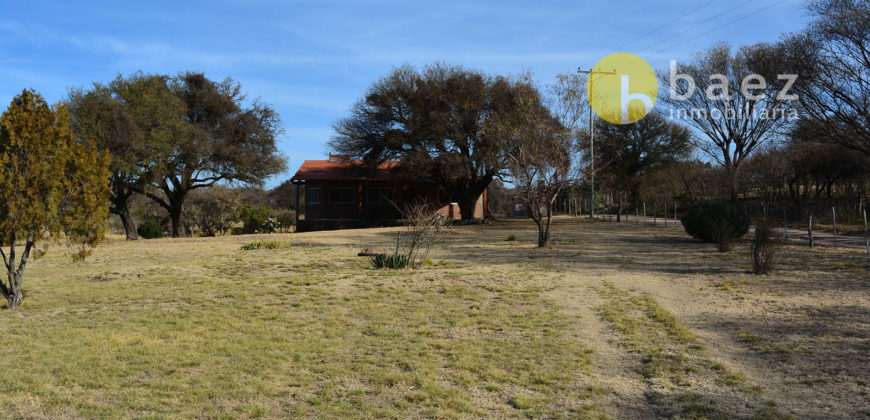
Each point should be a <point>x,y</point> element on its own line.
<point>312,60</point>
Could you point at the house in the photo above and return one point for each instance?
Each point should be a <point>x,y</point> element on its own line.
<point>339,193</point>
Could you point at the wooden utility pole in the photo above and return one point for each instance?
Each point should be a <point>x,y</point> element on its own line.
<point>592,142</point>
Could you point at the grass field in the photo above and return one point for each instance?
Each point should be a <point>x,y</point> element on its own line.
<point>614,321</point>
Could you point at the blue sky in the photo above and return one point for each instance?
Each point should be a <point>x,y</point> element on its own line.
<point>312,60</point>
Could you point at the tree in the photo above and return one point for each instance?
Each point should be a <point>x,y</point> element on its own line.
<point>129,117</point>
<point>626,153</point>
<point>538,154</point>
<point>433,122</point>
<point>219,140</point>
<point>720,95</point>
<point>833,61</point>
<point>50,187</point>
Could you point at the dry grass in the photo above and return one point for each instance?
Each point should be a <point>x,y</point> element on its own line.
<point>622,321</point>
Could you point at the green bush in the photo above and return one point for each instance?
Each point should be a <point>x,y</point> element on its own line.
<point>718,222</point>
<point>265,245</point>
<point>150,229</point>
<point>511,237</point>
<point>393,261</point>
<point>256,218</point>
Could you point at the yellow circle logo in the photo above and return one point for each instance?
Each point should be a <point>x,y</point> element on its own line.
<point>622,88</point>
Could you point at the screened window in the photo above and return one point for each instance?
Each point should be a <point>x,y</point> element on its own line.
<point>313,195</point>
<point>340,196</point>
<point>380,195</point>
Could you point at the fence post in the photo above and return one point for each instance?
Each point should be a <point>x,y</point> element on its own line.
<point>810,229</point>
<point>834,213</point>
<point>866,235</point>
<point>675,213</point>
<point>785,224</point>
<point>655,212</point>
<point>636,214</point>
<point>644,212</point>
<point>665,207</point>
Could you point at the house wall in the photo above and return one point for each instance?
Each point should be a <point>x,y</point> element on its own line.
<point>362,210</point>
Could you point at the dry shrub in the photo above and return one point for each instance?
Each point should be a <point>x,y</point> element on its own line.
<point>762,248</point>
<point>424,226</point>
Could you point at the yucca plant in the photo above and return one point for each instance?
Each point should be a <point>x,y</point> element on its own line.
<point>392,261</point>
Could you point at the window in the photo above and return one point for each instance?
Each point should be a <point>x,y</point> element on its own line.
<point>313,195</point>
<point>379,195</point>
<point>340,196</point>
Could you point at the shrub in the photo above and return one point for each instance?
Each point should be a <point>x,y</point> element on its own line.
<point>270,225</point>
<point>150,229</point>
<point>718,222</point>
<point>286,220</point>
<point>214,210</point>
<point>425,225</point>
<point>392,261</point>
<point>255,218</point>
<point>265,245</point>
<point>511,237</point>
<point>762,248</point>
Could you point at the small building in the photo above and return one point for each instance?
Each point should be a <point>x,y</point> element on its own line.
<point>340,194</point>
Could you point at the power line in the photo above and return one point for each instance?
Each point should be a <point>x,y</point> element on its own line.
<point>706,21</point>
<point>722,26</point>
<point>660,27</point>
<point>696,25</point>
<point>665,24</point>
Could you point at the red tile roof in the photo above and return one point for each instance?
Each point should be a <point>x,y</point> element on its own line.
<point>325,170</point>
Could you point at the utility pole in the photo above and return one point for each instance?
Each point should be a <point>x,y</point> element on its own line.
<point>591,72</point>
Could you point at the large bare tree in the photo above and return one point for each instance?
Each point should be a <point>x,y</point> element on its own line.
<point>726,99</point>
<point>833,61</point>
<point>538,154</point>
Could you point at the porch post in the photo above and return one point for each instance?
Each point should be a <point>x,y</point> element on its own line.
<point>297,204</point>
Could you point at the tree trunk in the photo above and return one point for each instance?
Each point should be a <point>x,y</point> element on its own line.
<point>542,237</point>
<point>175,217</point>
<point>14,275</point>
<point>468,193</point>
<point>732,184</point>
<point>127,221</point>
<point>14,295</point>
<point>544,227</point>
<point>120,205</point>
<point>466,207</point>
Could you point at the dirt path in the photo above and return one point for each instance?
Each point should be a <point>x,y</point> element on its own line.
<point>613,367</point>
